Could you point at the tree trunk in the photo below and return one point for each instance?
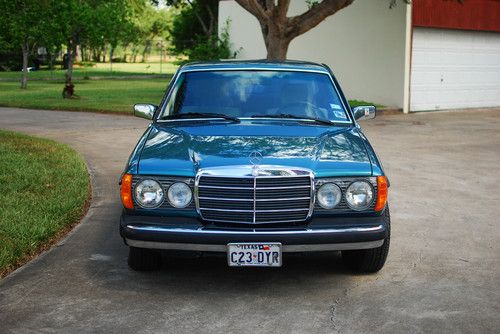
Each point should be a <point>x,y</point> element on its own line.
<point>24,78</point>
<point>275,40</point>
<point>146,51</point>
<point>68,90</point>
<point>71,60</point>
<point>125,47</point>
<point>111,52</point>
<point>279,30</point>
<point>277,47</point>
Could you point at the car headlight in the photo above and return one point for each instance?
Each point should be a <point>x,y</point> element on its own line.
<point>328,195</point>
<point>359,195</point>
<point>179,195</point>
<point>149,194</point>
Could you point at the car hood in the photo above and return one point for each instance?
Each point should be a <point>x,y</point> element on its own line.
<point>182,150</point>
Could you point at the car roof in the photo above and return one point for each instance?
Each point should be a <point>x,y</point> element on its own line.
<point>291,65</point>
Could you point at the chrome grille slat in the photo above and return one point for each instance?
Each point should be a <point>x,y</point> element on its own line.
<point>285,197</point>
<point>226,199</point>
<point>257,211</point>
<point>223,187</point>
<point>224,193</point>
<point>266,188</point>
<point>250,200</point>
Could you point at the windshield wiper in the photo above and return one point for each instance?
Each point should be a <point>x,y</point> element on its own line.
<point>196,115</point>
<point>317,120</point>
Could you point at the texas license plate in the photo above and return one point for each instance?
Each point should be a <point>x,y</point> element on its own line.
<point>254,254</point>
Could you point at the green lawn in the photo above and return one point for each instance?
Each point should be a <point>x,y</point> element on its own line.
<point>98,70</point>
<point>357,103</point>
<point>117,96</point>
<point>44,187</point>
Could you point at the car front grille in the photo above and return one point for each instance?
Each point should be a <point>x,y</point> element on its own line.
<point>258,199</point>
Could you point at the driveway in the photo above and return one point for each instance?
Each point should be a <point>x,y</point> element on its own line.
<point>442,274</point>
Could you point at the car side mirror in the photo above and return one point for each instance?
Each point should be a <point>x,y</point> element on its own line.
<point>364,112</point>
<point>144,110</point>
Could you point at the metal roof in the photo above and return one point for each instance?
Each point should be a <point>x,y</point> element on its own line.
<point>292,65</point>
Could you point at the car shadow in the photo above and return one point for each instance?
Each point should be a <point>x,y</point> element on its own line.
<point>186,272</point>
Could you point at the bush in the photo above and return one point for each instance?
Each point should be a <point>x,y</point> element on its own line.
<point>11,60</point>
<point>213,48</point>
<point>85,64</point>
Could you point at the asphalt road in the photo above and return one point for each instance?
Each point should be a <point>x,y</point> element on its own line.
<point>442,274</point>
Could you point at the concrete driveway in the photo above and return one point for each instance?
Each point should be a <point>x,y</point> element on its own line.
<point>442,274</point>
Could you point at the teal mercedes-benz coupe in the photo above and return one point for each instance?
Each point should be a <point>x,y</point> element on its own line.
<point>255,159</point>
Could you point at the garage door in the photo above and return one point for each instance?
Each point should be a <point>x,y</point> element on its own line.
<point>454,69</point>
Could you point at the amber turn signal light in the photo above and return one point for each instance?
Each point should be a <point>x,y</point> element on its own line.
<point>126,191</point>
<point>382,192</point>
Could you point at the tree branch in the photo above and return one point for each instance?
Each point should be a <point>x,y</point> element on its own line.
<point>282,8</point>
<point>212,18</point>
<point>254,8</point>
<point>198,17</point>
<point>304,22</point>
<point>269,5</point>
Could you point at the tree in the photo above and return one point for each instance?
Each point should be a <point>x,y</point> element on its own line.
<point>153,24</point>
<point>89,22</point>
<point>279,30</point>
<point>195,21</point>
<point>27,24</point>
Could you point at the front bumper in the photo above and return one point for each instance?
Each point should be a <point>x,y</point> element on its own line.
<point>321,234</point>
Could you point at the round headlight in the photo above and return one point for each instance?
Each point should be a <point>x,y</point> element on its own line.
<point>149,194</point>
<point>359,195</point>
<point>179,195</point>
<point>329,195</point>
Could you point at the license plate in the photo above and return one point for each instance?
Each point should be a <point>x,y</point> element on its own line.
<point>249,254</point>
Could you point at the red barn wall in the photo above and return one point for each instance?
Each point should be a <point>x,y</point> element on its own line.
<point>483,15</point>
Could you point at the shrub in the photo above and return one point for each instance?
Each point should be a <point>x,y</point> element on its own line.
<point>213,48</point>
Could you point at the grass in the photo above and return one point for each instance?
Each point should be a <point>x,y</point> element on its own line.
<point>44,188</point>
<point>115,96</point>
<point>98,70</point>
<point>357,103</point>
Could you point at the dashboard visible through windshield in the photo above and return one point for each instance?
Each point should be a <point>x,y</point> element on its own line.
<point>260,94</point>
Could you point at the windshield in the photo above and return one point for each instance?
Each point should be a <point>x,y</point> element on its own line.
<point>256,94</point>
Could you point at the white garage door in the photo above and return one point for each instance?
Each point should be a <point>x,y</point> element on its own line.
<point>454,69</point>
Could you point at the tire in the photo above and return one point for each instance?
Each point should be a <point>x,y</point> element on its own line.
<point>369,260</point>
<point>143,259</point>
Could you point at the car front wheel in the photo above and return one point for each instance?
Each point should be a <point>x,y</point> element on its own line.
<point>369,260</point>
<point>142,259</point>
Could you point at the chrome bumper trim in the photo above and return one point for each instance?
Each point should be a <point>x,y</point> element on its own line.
<point>254,231</point>
<point>285,248</point>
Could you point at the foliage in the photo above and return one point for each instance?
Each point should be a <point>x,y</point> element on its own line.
<point>43,189</point>
<point>94,71</point>
<point>194,22</point>
<point>151,26</point>
<point>91,23</point>
<point>26,24</point>
<point>213,48</point>
<point>27,21</point>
